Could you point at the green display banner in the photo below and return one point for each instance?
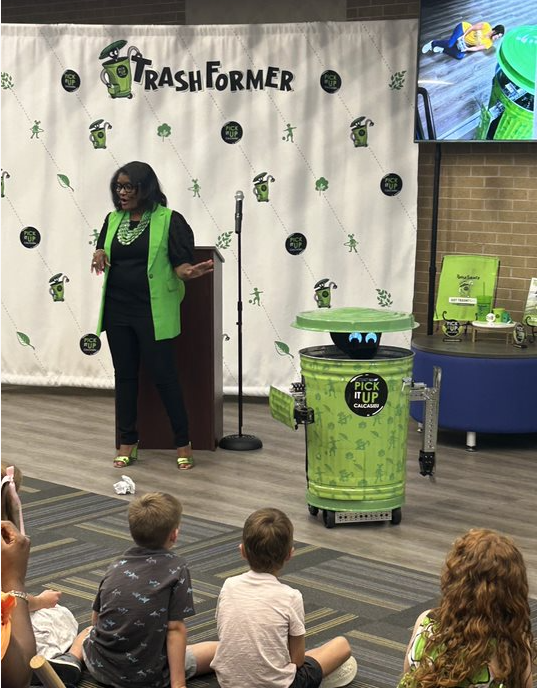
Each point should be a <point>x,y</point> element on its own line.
<point>464,280</point>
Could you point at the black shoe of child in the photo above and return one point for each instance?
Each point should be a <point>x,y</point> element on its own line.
<point>68,667</point>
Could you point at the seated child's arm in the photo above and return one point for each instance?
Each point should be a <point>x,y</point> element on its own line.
<point>45,600</point>
<point>297,649</point>
<point>406,665</point>
<point>175,648</point>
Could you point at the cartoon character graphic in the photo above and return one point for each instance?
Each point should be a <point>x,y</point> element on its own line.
<point>288,131</point>
<point>36,129</point>
<point>195,188</point>
<point>5,175</point>
<point>323,292</point>
<point>116,74</point>
<point>465,287</point>
<point>358,133</point>
<point>98,133</point>
<point>56,288</point>
<point>261,186</point>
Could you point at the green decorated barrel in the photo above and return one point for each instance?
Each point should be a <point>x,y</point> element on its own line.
<point>511,108</point>
<point>357,442</point>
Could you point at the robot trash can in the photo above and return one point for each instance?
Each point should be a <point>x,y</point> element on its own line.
<point>354,400</point>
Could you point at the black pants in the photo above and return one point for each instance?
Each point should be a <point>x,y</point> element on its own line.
<point>132,340</point>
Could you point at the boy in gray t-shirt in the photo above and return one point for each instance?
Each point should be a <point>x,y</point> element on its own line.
<point>138,637</point>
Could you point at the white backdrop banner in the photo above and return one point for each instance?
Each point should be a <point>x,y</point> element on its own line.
<point>314,122</point>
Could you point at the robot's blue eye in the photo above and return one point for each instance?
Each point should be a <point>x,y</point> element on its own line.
<point>371,337</point>
<point>357,336</point>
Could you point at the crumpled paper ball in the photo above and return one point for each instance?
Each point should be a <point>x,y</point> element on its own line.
<point>125,485</point>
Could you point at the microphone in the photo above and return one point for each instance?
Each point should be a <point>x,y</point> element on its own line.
<point>239,196</point>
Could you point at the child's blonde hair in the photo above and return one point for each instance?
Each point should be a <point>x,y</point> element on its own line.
<point>152,517</point>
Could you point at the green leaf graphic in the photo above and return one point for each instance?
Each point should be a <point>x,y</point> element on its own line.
<point>64,181</point>
<point>321,185</point>
<point>24,340</point>
<point>283,349</point>
<point>164,131</point>
<point>7,81</point>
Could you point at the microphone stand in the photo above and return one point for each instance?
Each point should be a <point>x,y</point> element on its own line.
<point>239,442</point>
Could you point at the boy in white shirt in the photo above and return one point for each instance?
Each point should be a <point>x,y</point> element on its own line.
<point>261,620</point>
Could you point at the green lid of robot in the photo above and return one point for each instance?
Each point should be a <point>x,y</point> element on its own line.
<point>355,320</point>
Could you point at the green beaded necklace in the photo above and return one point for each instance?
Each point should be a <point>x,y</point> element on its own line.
<point>126,235</point>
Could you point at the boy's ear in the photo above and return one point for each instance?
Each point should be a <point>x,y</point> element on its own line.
<point>241,550</point>
<point>291,552</point>
<point>174,535</point>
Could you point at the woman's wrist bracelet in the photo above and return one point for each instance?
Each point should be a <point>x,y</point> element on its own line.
<point>19,593</point>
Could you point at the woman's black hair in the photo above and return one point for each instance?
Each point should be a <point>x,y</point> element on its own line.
<point>498,30</point>
<point>143,177</point>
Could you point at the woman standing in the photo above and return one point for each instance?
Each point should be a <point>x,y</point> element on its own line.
<point>146,253</point>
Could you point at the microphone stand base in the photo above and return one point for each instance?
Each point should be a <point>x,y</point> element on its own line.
<point>240,442</point>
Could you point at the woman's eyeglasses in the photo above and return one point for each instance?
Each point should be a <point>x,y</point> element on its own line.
<point>128,188</point>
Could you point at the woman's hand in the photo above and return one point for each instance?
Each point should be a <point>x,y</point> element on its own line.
<point>99,261</point>
<point>185,271</point>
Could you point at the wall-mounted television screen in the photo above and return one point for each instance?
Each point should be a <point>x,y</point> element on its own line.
<point>477,68</point>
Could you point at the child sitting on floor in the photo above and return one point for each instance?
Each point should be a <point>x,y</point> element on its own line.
<point>138,637</point>
<point>261,620</point>
<point>480,633</point>
<point>54,625</point>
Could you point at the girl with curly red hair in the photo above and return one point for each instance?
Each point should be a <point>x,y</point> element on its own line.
<point>480,633</point>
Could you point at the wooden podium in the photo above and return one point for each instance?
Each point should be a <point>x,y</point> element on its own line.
<point>198,355</point>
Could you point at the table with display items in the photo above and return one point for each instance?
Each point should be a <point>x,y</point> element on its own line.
<point>487,386</point>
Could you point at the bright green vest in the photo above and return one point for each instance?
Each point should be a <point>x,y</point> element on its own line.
<point>165,288</point>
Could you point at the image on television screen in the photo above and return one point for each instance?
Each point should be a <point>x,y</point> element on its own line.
<point>477,67</point>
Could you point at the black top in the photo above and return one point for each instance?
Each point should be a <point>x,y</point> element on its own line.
<point>127,288</point>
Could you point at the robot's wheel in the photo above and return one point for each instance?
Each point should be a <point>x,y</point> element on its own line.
<point>329,518</point>
<point>313,510</point>
<point>396,516</point>
<point>130,96</point>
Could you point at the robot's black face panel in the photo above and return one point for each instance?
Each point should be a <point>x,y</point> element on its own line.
<point>357,344</point>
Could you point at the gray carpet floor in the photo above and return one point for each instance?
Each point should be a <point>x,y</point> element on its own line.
<point>77,534</point>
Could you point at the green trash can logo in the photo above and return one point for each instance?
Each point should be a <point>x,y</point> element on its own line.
<point>116,74</point>
<point>98,133</point>
<point>261,186</point>
<point>323,292</point>
<point>358,133</point>
<point>56,286</point>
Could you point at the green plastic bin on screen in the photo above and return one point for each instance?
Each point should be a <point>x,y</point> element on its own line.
<point>511,108</point>
<point>356,435</point>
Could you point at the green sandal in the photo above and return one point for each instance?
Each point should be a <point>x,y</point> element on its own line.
<point>124,461</point>
<point>185,463</point>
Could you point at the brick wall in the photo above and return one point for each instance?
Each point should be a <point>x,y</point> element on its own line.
<point>382,9</point>
<point>488,192</point>
<point>93,11</point>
